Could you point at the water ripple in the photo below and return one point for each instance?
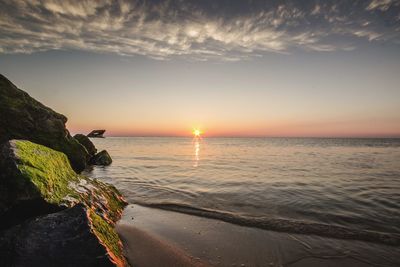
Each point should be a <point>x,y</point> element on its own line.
<point>349,183</point>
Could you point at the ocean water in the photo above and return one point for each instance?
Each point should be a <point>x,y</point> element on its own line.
<point>346,188</point>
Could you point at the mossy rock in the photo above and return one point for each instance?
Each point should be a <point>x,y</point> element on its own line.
<point>72,237</point>
<point>102,158</point>
<point>31,172</point>
<point>22,117</point>
<point>85,141</point>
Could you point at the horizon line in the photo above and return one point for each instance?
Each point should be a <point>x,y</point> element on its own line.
<point>259,136</point>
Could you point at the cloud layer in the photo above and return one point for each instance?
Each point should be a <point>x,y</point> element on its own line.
<point>200,30</point>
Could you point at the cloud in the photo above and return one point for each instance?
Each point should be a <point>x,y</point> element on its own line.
<point>199,30</point>
<point>382,5</point>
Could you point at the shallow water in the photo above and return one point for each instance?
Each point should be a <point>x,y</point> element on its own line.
<point>307,185</point>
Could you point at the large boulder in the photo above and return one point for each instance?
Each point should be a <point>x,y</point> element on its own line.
<point>66,238</point>
<point>85,141</point>
<point>22,117</point>
<point>32,173</point>
<point>102,158</point>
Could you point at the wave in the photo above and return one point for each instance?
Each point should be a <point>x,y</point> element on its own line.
<point>284,225</point>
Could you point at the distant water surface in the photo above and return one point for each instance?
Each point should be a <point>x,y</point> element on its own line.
<point>351,183</point>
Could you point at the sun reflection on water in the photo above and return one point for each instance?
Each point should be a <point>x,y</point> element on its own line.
<point>196,143</point>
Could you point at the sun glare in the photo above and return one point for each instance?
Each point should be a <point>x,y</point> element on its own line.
<point>196,133</point>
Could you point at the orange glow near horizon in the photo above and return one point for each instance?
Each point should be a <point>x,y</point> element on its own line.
<point>240,128</point>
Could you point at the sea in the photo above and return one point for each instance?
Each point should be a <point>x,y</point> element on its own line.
<point>337,187</point>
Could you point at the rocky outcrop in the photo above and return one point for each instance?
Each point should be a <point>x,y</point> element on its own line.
<point>66,238</point>
<point>102,158</point>
<point>22,117</point>
<point>97,134</point>
<point>85,141</point>
<point>32,173</point>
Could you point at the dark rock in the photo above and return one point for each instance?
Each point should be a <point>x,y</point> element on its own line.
<point>102,158</point>
<point>97,133</point>
<point>85,141</point>
<point>22,117</point>
<point>26,209</point>
<point>32,172</point>
<point>65,238</point>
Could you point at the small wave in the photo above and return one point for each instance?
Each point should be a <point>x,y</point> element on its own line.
<point>284,225</point>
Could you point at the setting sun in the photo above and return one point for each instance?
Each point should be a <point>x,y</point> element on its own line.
<point>197,133</point>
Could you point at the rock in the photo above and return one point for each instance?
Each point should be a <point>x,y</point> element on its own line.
<point>97,133</point>
<point>32,172</point>
<point>72,237</point>
<point>85,141</point>
<point>102,158</point>
<point>22,117</point>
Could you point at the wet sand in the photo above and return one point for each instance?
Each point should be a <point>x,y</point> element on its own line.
<point>143,249</point>
<point>154,237</point>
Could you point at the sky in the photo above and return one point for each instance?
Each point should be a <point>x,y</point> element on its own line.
<point>229,68</point>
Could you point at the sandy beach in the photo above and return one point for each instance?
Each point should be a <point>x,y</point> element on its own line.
<point>186,240</point>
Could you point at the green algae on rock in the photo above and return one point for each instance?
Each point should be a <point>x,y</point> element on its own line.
<point>35,171</point>
<point>108,237</point>
<point>31,171</point>
<point>65,238</point>
<point>22,117</point>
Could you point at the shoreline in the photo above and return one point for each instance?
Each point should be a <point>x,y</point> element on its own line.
<point>287,225</point>
<point>188,240</point>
